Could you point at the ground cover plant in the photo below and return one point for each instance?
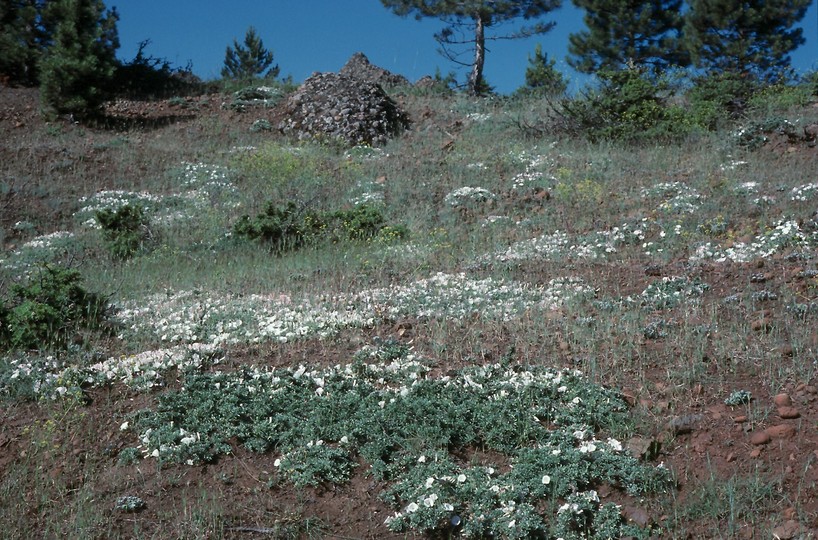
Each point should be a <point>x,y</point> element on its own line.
<point>482,329</point>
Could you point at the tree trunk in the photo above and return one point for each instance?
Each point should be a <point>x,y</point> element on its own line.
<point>476,75</point>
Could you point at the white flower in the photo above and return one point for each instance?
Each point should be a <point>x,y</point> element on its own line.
<point>124,426</point>
<point>429,482</point>
<point>429,501</point>
<point>546,479</point>
<point>461,478</point>
<point>413,507</point>
<point>277,463</point>
<point>422,459</point>
<point>512,524</point>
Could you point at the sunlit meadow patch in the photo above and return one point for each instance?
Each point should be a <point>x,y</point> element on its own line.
<point>677,197</point>
<point>469,198</point>
<point>784,234</point>
<point>560,245</point>
<point>203,187</point>
<point>669,292</point>
<point>804,192</point>
<point>386,410</point>
<point>190,317</point>
<point>42,249</point>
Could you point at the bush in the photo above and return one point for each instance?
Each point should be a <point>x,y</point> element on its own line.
<point>289,227</point>
<point>146,77</point>
<point>630,105</point>
<point>47,311</point>
<point>716,99</point>
<point>285,229</point>
<point>125,229</point>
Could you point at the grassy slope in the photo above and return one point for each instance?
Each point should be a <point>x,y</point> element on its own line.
<point>620,219</point>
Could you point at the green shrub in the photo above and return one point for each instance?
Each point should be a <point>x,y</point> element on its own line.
<point>542,78</point>
<point>125,229</point>
<point>47,311</point>
<point>716,99</point>
<point>780,98</point>
<point>284,228</point>
<point>629,105</point>
<point>290,227</point>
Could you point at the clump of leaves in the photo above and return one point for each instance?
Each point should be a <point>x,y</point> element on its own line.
<point>125,229</point>
<point>739,397</point>
<point>47,311</point>
<point>129,503</point>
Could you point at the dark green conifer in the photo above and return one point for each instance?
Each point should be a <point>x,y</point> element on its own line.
<point>80,62</point>
<point>747,37</point>
<point>22,38</point>
<point>621,32</point>
<point>542,77</point>
<point>249,60</point>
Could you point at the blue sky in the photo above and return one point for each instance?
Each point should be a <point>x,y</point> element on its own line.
<point>320,35</point>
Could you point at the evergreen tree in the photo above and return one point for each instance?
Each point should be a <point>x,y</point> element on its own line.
<point>622,32</point>
<point>22,38</point>
<point>541,75</point>
<point>79,64</point>
<point>250,60</point>
<point>747,37</point>
<point>466,24</point>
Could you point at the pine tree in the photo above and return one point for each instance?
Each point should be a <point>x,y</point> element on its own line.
<point>250,60</point>
<point>466,24</point>
<point>747,37</point>
<point>79,64</point>
<point>628,32</point>
<point>22,38</point>
<point>541,75</point>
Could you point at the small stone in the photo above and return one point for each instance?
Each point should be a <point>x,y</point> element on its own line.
<point>782,400</point>
<point>781,431</point>
<point>759,438</point>
<point>788,413</point>
<point>731,457</point>
<point>629,398</point>
<point>636,515</point>
<point>787,351</point>
<point>787,530</point>
<point>762,325</point>
<point>643,448</point>
<point>755,453</point>
<point>681,425</point>
<point>740,419</point>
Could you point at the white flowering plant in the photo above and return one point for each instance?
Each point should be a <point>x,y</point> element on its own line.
<point>386,409</point>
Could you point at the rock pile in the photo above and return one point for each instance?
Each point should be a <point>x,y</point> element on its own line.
<point>359,67</point>
<point>339,106</point>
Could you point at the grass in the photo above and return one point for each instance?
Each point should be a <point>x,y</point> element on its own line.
<point>637,266</point>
